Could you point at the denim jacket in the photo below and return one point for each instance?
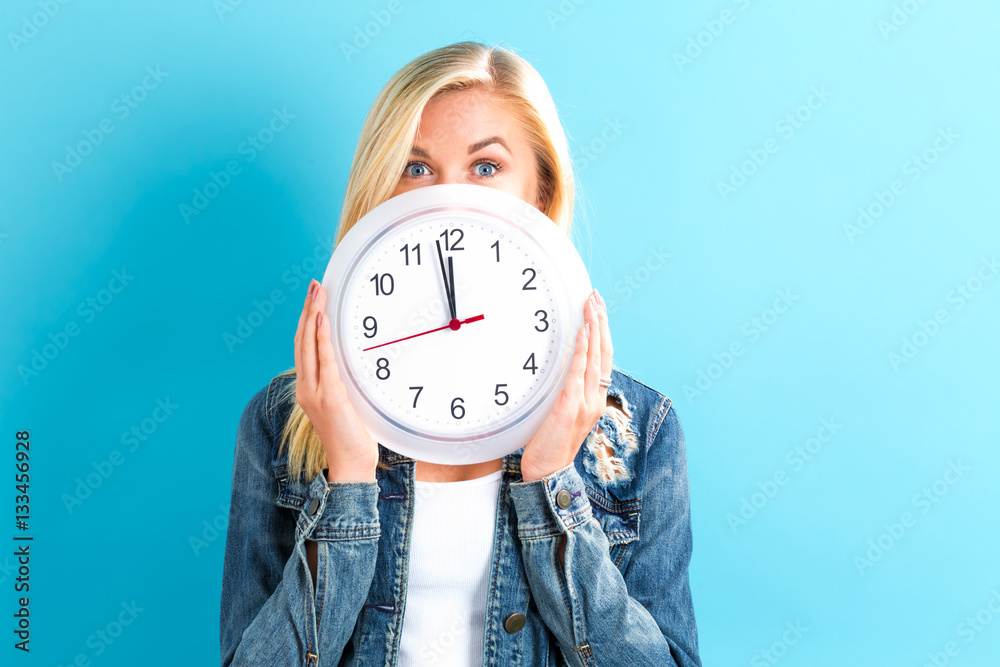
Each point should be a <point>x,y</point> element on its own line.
<point>618,596</point>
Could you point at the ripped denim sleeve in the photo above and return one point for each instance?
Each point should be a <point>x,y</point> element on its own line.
<point>612,443</point>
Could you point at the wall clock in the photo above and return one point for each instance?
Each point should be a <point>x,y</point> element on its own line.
<point>454,310</point>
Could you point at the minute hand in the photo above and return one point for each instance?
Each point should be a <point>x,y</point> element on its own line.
<point>447,283</point>
<point>454,325</point>
<point>451,284</point>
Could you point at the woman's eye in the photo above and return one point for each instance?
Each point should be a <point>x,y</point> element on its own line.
<point>487,169</point>
<point>415,169</point>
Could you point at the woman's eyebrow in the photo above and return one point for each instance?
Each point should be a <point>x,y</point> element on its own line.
<point>479,145</point>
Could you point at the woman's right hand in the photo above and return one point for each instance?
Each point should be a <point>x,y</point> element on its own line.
<point>351,452</point>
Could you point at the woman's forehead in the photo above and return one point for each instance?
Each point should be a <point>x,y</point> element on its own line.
<point>469,124</point>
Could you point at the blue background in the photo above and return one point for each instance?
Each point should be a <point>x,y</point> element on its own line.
<point>691,93</point>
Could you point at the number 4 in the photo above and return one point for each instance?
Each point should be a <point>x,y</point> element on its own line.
<point>529,365</point>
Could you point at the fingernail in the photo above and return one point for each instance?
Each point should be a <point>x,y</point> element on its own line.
<point>312,284</point>
<point>586,330</point>
<point>600,299</point>
<point>319,319</point>
<point>315,289</point>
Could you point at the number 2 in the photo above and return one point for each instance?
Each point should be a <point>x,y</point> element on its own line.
<point>525,272</point>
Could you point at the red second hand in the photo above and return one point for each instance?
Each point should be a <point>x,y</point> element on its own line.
<point>453,325</point>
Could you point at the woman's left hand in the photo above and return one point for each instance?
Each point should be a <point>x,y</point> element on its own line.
<point>581,402</point>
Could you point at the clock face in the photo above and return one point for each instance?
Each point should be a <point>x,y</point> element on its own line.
<point>453,322</point>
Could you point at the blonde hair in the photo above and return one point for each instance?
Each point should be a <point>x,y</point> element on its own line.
<point>383,150</point>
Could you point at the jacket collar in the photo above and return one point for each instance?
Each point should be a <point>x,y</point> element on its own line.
<point>510,463</point>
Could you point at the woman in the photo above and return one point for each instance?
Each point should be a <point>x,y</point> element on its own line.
<point>573,549</point>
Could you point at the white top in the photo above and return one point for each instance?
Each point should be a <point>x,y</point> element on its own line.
<point>451,547</point>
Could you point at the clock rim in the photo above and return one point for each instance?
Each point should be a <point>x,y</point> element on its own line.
<point>504,209</point>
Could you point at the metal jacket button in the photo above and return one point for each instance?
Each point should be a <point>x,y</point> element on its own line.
<point>311,507</point>
<point>563,499</point>
<point>514,622</point>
